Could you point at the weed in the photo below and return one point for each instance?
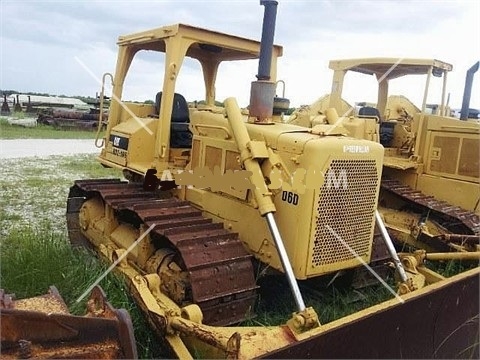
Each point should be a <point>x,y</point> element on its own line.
<point>31,260</point>
<point>330,302</point>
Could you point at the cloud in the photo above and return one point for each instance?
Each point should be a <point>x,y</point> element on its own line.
<point>40,40</point>
<point>389,29</point>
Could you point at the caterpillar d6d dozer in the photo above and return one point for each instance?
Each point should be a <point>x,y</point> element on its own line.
<point>430,193</point>
<point>212,191</point>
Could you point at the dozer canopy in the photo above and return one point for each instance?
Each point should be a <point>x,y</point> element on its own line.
<point>390,68</point>
<point>178,41</point>
<point>214,44</point>
<point>386,69</point>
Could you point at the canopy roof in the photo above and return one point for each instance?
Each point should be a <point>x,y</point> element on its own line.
<point>391,68</point>
<point>224,47</point>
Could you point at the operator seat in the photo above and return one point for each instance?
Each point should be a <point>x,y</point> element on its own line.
<point>180,134</point>
<point>386,127</point>
<point>369,111</point>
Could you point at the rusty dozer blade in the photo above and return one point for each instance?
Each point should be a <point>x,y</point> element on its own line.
<point>439,321</point>
<point>42,327</point>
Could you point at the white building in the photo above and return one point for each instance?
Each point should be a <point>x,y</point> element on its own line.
<point>53,100</point>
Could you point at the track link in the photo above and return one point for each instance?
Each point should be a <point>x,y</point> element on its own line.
<point>454,218</point>
<point>220,270</point>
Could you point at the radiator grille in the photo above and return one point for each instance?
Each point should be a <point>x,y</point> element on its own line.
<point>345,210</point>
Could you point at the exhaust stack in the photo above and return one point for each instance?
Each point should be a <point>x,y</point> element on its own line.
<point>467,92</point>
<point>263,90</point>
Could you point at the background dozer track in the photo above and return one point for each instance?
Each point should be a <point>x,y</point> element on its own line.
<point>453,227</point>
<point>454,218</point>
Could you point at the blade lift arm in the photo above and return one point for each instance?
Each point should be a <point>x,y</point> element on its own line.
<point>305,318</point>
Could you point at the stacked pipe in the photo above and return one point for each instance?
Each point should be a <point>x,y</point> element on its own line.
<point>70,118</point>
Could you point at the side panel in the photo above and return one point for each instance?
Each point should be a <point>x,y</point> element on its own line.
<point>454,155</point>
<point>130,144</point>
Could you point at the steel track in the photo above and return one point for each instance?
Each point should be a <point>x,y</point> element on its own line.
<point>453,218</point>
<point>220,271</point>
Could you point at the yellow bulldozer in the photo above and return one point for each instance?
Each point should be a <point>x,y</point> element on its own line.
<point>430,193</point>
<point>212,193</point>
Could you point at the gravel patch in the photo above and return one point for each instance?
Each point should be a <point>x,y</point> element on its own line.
<point>22,148</point>
<point>35,190</point>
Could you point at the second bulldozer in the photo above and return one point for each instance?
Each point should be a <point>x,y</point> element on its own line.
<point>430,194</point>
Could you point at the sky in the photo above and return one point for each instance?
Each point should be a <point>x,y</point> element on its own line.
<point>64,47</point>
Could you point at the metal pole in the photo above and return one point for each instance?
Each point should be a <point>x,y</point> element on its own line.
<point>391,248</point>
<point>467,92</point>
<point>474,255</point>
<point>443,108</point>
<point>287,267</point>
<point>266,44</point>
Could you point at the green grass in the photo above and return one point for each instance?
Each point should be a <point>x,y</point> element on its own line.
<point>34,250</point>
<point>89,169</point>
<point>449,268</point>
<point>33,260</point>
<point>330,301</point>
<point>8,131</point>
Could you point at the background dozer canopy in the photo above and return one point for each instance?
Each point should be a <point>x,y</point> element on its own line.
<point>386,69</point>
<point>391,68</point>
